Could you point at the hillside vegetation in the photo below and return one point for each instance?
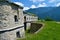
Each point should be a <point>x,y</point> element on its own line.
<point>43,12</point>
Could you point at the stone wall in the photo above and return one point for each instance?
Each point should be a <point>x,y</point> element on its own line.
<point>8,26</point>
<point>12,34</point>
<point>11,10</point>
<point>29,19</point>
<point>28,25</point>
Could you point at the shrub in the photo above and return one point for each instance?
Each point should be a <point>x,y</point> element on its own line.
<point>48,19</point>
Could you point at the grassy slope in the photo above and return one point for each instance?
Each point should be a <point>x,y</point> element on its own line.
<point>51,31</point>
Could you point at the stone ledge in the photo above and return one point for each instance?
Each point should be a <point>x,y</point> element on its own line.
<point>10,29</point>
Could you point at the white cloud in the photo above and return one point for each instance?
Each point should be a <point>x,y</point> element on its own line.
<point>19,3</point>
<point>37,0</point>
<point>42,5</point>
<point>58,5</point>
<point>51,1</point>
<point>26,8</point>
<point>33,6</point>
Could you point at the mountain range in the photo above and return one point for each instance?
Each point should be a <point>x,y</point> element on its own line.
<point>43,12</point>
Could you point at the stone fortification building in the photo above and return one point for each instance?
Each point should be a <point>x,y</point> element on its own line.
<point>11,21</point>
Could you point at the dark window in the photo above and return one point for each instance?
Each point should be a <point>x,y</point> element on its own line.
<point>27,18</point>
<point>1,14</point>
<point>18,34</point>
<point>0,22</point>
<point>24,18</point>
<point>16,19</point>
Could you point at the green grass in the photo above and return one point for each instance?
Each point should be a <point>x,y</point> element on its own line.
<point>51,31</point>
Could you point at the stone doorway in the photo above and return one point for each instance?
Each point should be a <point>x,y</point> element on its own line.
<point>25,26</point>
<point>18,34</point>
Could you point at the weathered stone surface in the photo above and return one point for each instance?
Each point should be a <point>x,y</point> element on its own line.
<point>9,28</point>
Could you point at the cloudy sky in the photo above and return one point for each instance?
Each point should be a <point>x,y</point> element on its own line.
<point>27,4</point>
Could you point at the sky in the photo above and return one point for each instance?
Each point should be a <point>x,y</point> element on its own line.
<point>27,4</point>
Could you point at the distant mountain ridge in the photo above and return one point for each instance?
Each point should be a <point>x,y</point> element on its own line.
<point>43,12</point>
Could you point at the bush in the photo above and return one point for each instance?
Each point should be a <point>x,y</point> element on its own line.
<point>48,19</point>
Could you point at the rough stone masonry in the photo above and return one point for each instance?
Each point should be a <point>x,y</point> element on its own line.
<point>11,21</point>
